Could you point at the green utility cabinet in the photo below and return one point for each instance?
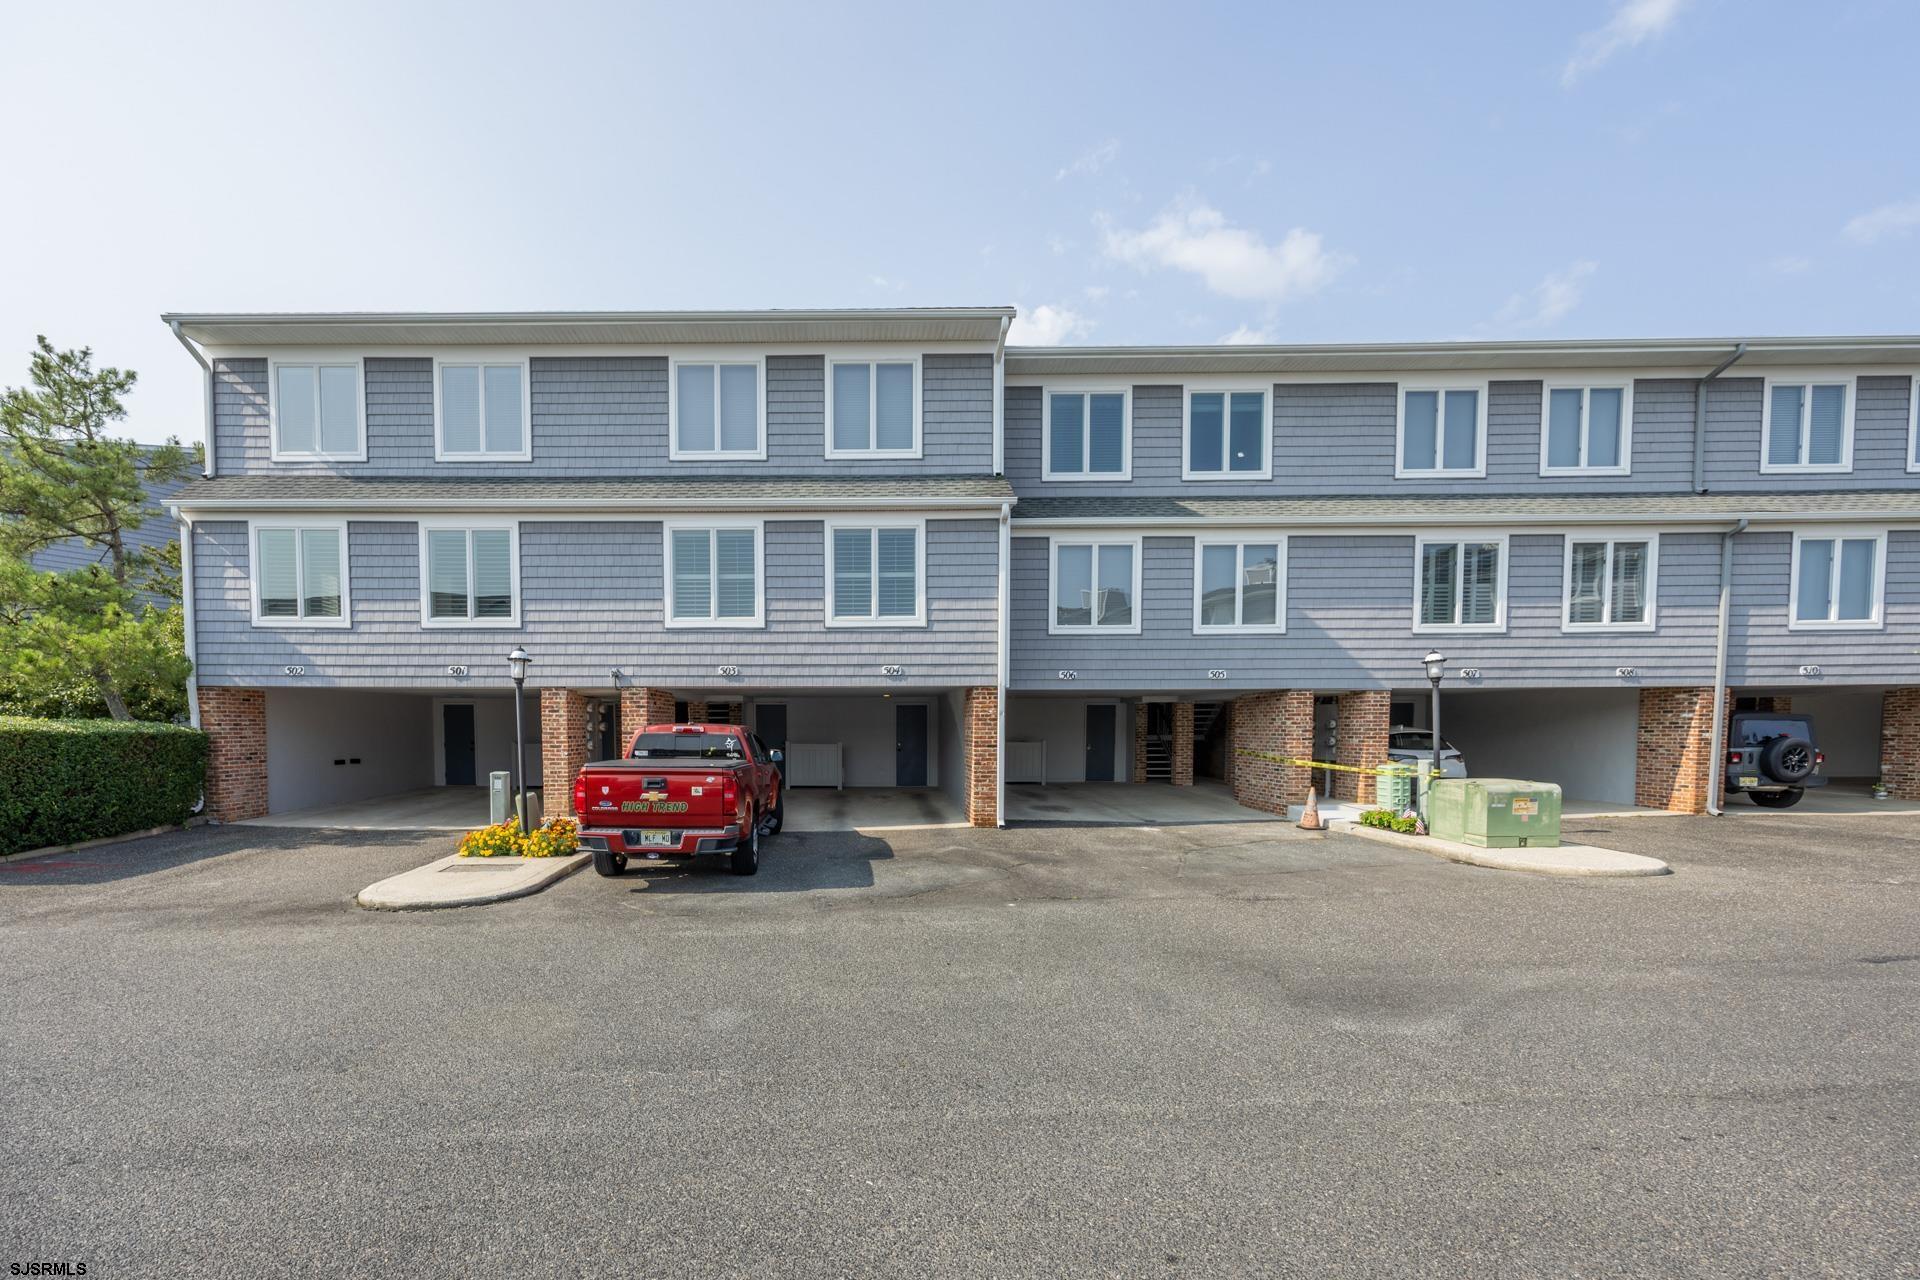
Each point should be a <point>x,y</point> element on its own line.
<point>1394,788</point>
<point>1495,813</point>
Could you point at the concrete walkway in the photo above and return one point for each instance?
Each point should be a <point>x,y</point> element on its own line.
<point>429,809</point>
<point>454,881</point>
<point>1132,804</point>
<point>1567,860</point>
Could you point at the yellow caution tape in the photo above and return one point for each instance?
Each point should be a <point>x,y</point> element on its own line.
<point>1272,758</point>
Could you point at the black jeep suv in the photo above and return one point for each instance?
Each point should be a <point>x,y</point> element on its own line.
<point>1771,757</point>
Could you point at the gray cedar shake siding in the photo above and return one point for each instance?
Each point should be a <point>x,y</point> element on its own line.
<point>592,598</point>
<point>599,415</point>
<point>1350,622</point>
<point>1340,438</point>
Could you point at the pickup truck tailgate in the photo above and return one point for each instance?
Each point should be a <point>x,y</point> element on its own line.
<point>644,793</point>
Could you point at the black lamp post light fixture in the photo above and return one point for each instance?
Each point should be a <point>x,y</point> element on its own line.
<point>517,663</point>
<point>1436,664</point>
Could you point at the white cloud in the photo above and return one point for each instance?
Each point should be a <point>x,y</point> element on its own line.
<point>1092,162</point>
<point>1248,336</point>
<point>890,284</point>
<point>1096,292</point>
<point>1633,22</point>
<point>1549,301</point>
<point>1237,263</point>
<point>1047,326</point>
<point>1790,264</point>
<point>1888,220</point>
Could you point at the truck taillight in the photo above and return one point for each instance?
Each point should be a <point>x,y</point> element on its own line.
<point>1734,757</point>
<point>729,793</point>
<point>580,794</point>
<point>1819,757</point>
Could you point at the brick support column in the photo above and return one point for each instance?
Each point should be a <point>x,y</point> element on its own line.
<point>980,754</point>
<point>1139,773</point>
<point>640,707</point>
<point>235,721</point>
<point>696,713</point>
<point>563,747</point>
<point>1280,723</point>
<point>1900,742</point>
<point>1671,766</point>
<point>1183,744</point>
<point>1361,741</point>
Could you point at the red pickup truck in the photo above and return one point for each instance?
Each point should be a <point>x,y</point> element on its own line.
<point>683,791</point>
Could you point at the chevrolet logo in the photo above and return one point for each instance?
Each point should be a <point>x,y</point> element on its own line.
<point>653,795</point>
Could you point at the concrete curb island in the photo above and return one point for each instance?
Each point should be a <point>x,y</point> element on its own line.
<point>1567,860</point>
<point>454,881</point>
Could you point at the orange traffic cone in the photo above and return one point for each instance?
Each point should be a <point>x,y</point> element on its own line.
<point>1310,816</point>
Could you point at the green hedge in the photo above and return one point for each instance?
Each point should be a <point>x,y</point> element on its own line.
<point>63,781</point>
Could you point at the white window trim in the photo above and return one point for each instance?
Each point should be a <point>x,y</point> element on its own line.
<point>1625,466</point>
<point>525,452</point>
<point>874,621</point>
<point>1840,533</point>
<point>1265,392</point>
<point>1913,421</point>
<point>1053,576</point>
<point>1239,538</point>
<point>1086,439</point>
<point>873,406</point>
<point>1455,537</point>
<point>339,527</point>
<point>756,454</point>
<point>1609,537</point>
<point>708,523</point>
<point>1849,382</point>
<point>1441,385</point>
<point>359,366</point>
<point>427,524</point>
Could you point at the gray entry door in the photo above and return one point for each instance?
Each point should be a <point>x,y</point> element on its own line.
<point>456,722</point>
<point>910,744</point>
<point>1101,721</point>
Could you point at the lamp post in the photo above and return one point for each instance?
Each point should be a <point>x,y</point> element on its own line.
<point>517,663</point>
<point>1436,664</point>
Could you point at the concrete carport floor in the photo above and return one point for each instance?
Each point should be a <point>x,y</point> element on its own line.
<point>1141,804</point>
<point>869,809</point>
<point>429,809</point>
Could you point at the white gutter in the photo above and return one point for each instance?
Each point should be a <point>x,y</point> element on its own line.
<point>1700,418</point>
<point>553,509</point>
<point>1450,519</point>
<point>206,400</point>
<point>186,620</point>
<point>1717,739</point>
<point>1006,668</point>
<point>1000,399</point>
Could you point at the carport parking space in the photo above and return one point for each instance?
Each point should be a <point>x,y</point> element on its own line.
<point>1128,804</point>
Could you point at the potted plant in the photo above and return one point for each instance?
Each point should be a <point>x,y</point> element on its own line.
<point>1879,788</point>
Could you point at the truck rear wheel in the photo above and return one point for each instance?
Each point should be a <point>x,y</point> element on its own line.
<point>777,818</point>
<point>746,854</point>
<point>609,864</point>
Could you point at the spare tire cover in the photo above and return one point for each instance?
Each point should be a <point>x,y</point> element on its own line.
<point>1788,759</point>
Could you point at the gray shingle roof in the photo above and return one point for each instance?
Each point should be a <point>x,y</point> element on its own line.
<point>1902,504</point>
<point>772,492</point>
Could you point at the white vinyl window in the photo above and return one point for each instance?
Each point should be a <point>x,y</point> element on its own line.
<point>873,408</point>
<point>1240,584</point>
<point>1838,580</point>
<point>876,573</point>
<point>714,574</point>
<point>1610,583</point>
<point>1586,430</point>
<point>1087,435</point>
<point>1096,586</point>
<point>316,410</point>
<point>1808,425</point>
<point>1226,436</point>
<point>300,575</point>
<point>470,575</point>
<point>1460,583</point>
<point>1442,431</point>
<point>717,409</point>
<point>1913,423</point>
<point>481,411</point>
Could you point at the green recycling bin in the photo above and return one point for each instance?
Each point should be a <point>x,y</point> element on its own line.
<point>1495,813</point>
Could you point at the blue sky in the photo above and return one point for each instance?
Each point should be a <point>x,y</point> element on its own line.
<point>1122,173</point>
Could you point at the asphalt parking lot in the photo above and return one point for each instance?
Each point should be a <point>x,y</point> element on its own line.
<point>1197,1051</point>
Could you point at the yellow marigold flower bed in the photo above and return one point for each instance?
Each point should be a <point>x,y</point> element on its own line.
<point>556,839</point>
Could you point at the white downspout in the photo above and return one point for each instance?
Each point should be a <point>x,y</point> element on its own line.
<point>1717,739</point>
<point>1000,398</point>
<point>206,398</point>
<point>186,620</point>
<point>1000,703</point>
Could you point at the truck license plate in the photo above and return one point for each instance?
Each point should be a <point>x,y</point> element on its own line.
<point>656,839</point>
<point>1747,781</point>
